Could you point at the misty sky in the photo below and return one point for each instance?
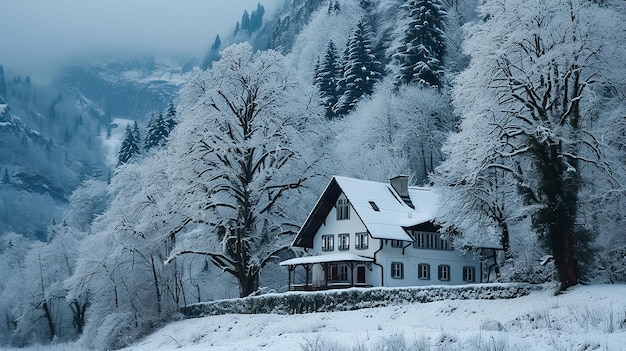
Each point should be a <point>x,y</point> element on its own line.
<point>40,33</point>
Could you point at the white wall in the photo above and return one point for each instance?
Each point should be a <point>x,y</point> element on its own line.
<point>351,226</point>
<point>411,258</point>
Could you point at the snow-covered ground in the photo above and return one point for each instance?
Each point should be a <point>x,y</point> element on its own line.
<point>583,318</point>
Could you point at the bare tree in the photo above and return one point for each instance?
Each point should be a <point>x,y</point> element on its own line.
<point>240,166</point>
<point>528,99</point>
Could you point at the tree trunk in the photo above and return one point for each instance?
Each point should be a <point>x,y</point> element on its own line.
<point>248,284</point>
<point>505,240</point>
<point>48,315</point>
<point>79,309</point>
<point>557,219</point>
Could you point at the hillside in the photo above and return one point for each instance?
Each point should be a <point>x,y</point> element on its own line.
<point>583,318</point>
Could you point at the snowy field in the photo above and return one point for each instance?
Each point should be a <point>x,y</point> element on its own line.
<point>584,318</point>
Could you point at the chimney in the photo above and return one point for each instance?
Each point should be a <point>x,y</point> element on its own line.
<point>401,185</point>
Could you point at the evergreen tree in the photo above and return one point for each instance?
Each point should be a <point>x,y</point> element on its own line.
<point>327,76</point>
<point>256,18</point>
<point>360,72</point>
<point>157,132</point>
<point>129,147</point>
<point>136,133</point>
<point>421,55</point>
<point>333,7</point>
<point>170,117</point>
<point>6,179</point>
<point>214,52</point>
<point>245,21</point>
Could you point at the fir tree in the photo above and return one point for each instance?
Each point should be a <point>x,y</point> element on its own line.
<point>421,55</point>
<point>157,132</point>
<point>170,117</point>
<point>256,19</point>
<point>214,53</point>
<point>360,72</point>
<point>129,147</point>
<point>136,133</point>
<point>327,76</point>
<point>333,7</point>
<point>6,179</point>
<point>245,21</point>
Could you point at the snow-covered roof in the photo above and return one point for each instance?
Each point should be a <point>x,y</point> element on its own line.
<point>378,205</point>
<point>382,210</point>
<point>338,257</point>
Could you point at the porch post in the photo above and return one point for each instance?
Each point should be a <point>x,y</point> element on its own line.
<point>351,265</point>
<point>307,269</point>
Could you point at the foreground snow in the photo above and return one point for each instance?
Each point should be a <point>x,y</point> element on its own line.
<point>584,318</point>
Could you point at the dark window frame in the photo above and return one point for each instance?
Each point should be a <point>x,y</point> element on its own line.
<point>423,271</point>
<point>444,272</point>
<point>361,244</point>
<point>397,270</point>
<point>471,271</point>
<point>343,209</point>
<point>328,242</point>
<point>343,245</point>
<point>397,243</point>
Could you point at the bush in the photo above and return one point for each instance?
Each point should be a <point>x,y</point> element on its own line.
<point>353,299</point>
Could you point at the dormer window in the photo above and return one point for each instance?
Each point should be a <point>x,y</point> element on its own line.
<point>343,209</point>
<point>374,206</point>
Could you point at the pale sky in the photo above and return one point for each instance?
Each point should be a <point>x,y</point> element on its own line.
<point>40,33</point>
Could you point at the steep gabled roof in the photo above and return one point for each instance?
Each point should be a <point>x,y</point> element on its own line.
<point>378,205</point>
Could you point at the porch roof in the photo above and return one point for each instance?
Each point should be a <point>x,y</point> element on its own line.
<point>338,257</point>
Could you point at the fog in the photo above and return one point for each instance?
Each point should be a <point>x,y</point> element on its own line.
<point>40,34</point>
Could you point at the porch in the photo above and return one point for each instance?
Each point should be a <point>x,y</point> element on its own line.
<point>333,271</point>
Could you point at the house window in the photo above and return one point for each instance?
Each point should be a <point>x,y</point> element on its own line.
<point>397,270</point>
<point>343,272</point>
<point>469,274</point>
<point>361,241</point>
<point>343,241</point>
<point>432,241</point>
<point>328,242</point>
<point>396,243</point>
<point>374,206</point>
<point>444,272</point>
<point>423,271</point>
<point>343,209</point>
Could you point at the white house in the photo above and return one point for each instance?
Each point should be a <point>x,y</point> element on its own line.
<point>364,233</point>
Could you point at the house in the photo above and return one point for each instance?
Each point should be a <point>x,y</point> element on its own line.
<point>363,234</point>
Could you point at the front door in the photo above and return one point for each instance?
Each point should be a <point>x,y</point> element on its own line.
<point>360,275</point>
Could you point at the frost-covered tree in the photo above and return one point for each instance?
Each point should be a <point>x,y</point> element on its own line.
<point>13,250</point>
<point>86,202</point>
<point>157,132</point>
<point>240,160</point>
<point>327,77</point>
<point>44,315</point>
<point>361,70</point>
<point>120,266</point>
<point>421,54</point>
<point>129,147</point>
<point>530,100</point>
<point>399,131</point>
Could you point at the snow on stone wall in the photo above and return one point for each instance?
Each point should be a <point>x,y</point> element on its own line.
<point>354,299</point>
